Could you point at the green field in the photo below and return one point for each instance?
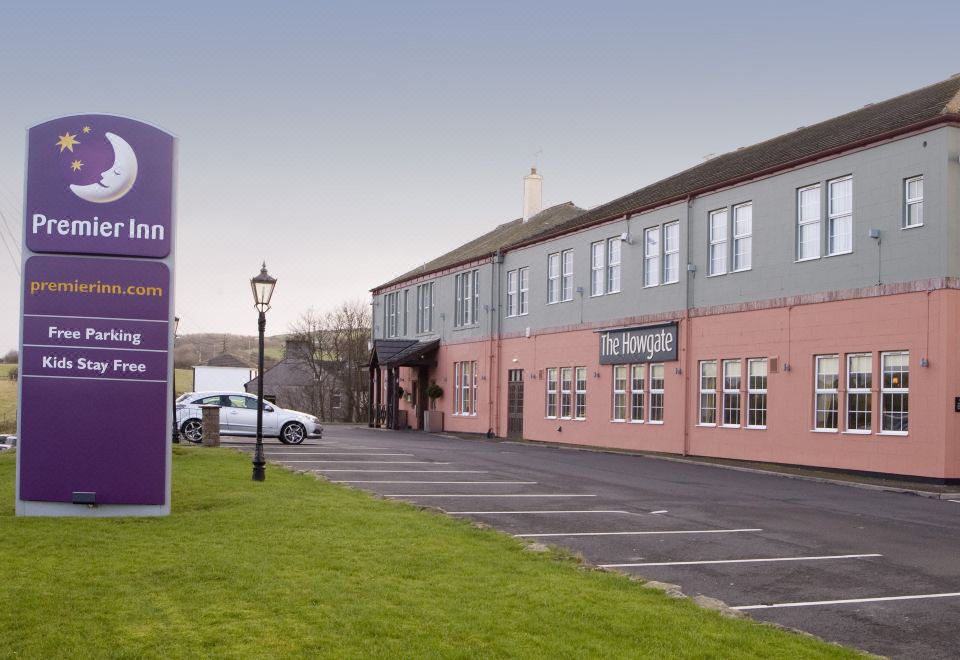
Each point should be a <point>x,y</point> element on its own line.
<point>296,567</point>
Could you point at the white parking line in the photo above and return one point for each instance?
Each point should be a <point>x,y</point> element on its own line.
<point>735,561</point>
<point>660,511</point>
<point>432,482</point>
<point>374,462</point>
<point>672,531</point>
<point>461,495</point>
<point>957,501</point>
<point>518,513</point>
<point>403,471</point>
<point>848,600</point>
<point>326,453</point>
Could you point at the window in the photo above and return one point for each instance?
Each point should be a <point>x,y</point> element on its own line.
<point>718,243</point>
<point>552,392</point>
<point>731,392</point>
<point>613,265</point>
<point>619,393</point>
<point>566,277</point>
<point>511,293</point>
<point>656,394</point>
<point>913,195</point>
<point>636,392</point>
<point>406,306</point>
<point>671,253</point>
<point>391,314</point>
<point>894,392</point>
<point>465,388</point>
<point>651,256</point>
<point>859,399</point>
<point>708,392</point>
<point>466,298</point>
<point>524,303</point>
<point>840,216</point>
<point>566,393</point>
<point>553,278</point>
<point>756,394</point>
<point>425,307</point>
<point>580,403</point>
<point>808,223</point>
<point>597,267</point>
<point>742,236</point>
<point>827,398</point>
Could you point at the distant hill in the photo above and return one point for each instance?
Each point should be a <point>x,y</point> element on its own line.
<point>191,350</point>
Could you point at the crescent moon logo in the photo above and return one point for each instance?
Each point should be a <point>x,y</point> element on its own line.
<point>117,180</point>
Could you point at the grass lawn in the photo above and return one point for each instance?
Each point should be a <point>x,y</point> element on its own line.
<point>8,400</point>
<point>182,381</point>
<point>299,567</point>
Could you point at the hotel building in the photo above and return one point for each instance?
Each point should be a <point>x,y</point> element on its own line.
<point>796,301</point>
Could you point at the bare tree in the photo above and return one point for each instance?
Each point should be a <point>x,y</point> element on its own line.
<point>350,328</point>
<point>309,337</point>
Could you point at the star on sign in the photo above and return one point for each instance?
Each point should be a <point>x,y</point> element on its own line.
<point>86,129</point>
<point>67,141</point>
<point>76,165</point>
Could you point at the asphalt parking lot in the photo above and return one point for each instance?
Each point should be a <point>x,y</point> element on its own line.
<point>875,570</point>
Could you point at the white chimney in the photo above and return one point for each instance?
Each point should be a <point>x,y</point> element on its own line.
<point>532,194</point>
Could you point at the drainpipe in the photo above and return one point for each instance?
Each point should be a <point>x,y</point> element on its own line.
<point>496,278</point>
<point>688,290</point>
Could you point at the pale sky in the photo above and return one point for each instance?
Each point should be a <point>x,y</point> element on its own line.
<point>345,143</point>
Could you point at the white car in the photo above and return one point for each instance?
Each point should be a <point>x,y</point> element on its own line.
<point>238,416</point>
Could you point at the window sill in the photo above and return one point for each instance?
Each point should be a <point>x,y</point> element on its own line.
<point>896,433</point>
<point>756,428</point>
<point>651,286</point>
<point>618,421</point>
<point>717,274</point>
<point>839,254</point>
<point>655,422</point>
<point>636,421</point>
<point>824,431</point>
<point>906,227</point>
<point>800,261</point>
<point>707,425</point>
<point>849,432</point>
<point>729,426</point>
<point>742,270</point>
<point>671,282</point>
<point>472,326</point>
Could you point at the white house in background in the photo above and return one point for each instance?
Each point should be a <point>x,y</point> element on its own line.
<point>222,372</point>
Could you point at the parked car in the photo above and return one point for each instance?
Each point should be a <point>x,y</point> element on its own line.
<point>238,416</point>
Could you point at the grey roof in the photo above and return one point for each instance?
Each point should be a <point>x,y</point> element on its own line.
<point>933,104</point>
<point>509,233</point>
<point>226,360</point>
<point>286,372</point>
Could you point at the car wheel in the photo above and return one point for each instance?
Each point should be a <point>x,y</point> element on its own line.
<point>293,433</point>
<point>192,430</point>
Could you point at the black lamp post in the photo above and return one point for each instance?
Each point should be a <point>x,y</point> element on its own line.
<point>262,286</point>
<point>173,385</point>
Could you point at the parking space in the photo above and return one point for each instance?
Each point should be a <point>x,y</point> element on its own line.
<point>874,570</point>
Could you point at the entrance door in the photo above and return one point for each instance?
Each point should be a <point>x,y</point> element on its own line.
<point>515,403</point>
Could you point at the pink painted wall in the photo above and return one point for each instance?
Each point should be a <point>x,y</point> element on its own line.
<point>925,324</point>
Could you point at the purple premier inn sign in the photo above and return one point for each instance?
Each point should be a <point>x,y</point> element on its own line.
<point>95,378</point>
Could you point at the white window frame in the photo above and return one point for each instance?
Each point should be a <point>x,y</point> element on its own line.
<point>707,394</point>
<point>566,275</point>
<point>732,399</point>
<point>717,250</point>
<point>821,389</point>
<point>837,219</point>
<point>465,389</point>
<point>580,393</point>
<point>894,389</point>
<point>756,393</point>
<point>651,256</point>
<point>425,308</point>
<point>619,393</point>
<point>638,377</point>
<point>512,276</point>
<point>859,389</point>
<point>523,275</point>
<point>406,309</point>
<point>566,393</point>
<point>912,202</point>
<point>742,237</point>
<point>553,278</point>
<point>391,314</point>
<point>671,256</point>
<point>553,394</point>
<point>613,265</point>
<point>813,223</point>
<point>466,300</point>
<point>597,268</point>
<point>657,372</point>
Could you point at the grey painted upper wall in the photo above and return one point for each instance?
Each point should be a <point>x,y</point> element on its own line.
<point>878,175</point>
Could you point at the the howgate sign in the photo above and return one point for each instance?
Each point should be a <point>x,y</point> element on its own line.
<point>651,343</point>
<point>94,412</point>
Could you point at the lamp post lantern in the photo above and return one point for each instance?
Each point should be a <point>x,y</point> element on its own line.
<point>173,386</point>
<point>262,286</point>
